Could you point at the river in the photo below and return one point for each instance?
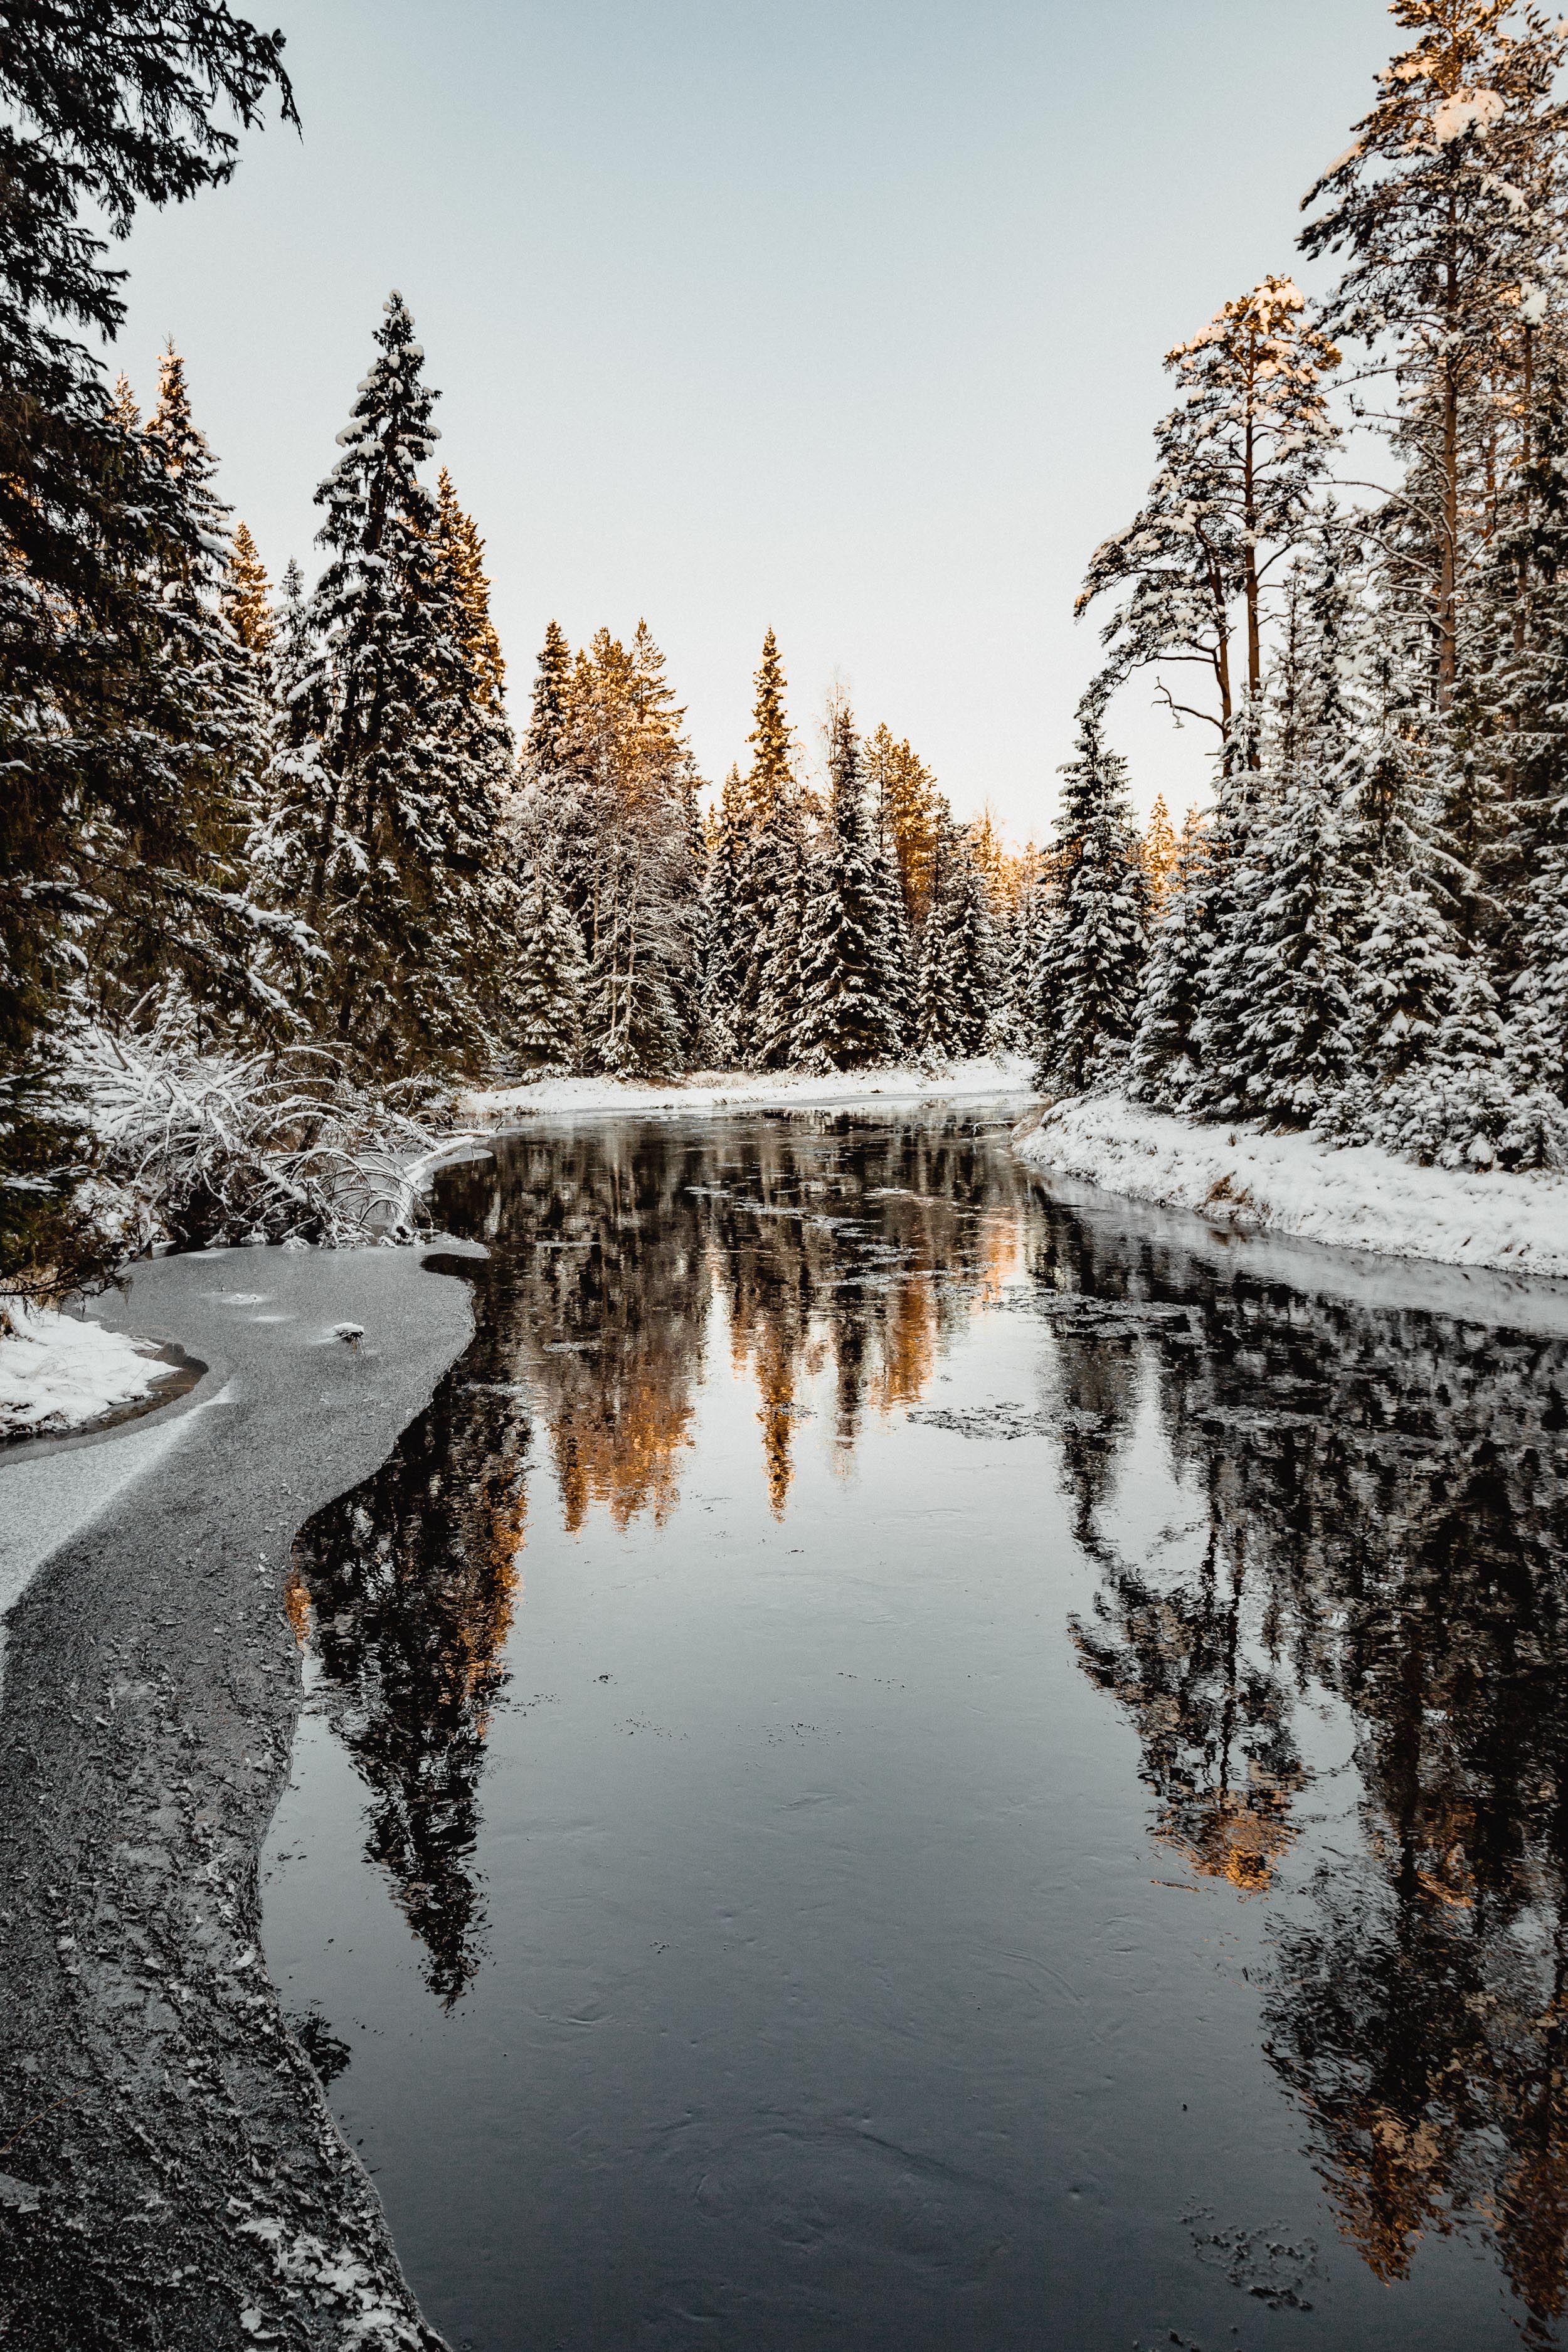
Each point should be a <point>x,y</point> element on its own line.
<point>905,1757</point>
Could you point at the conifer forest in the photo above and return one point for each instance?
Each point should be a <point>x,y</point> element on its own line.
<point>1020,1801</point>
<point>300,830</point>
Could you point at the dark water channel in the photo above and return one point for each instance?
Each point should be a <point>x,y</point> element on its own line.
<point>903,1762</point>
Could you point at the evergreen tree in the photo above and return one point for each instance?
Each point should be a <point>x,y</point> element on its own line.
<point>1238,459</point>
<point>551,691</point>
<point>546,1027</point>
<point>1292,1029</point>
<point>1448,204</point>
<point>844,1018</point>
<point>909,810</point>
<point>460,552</point>
<point>247,596</point>
<point>957,953</point>
<point>392,831</point>
<point>731,948</point>
<point>1159,852</point>
<point>783,917</point>
<point>1162,1065</point>
<point>619,797</point>
<point>197,697</point>
<point>1093,942</point>
<point>763,857</point>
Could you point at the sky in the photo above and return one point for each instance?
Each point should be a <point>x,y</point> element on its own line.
<point>841,316</point>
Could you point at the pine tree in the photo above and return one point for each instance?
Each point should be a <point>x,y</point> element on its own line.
<point>1446,203</point>
<point>957,960</point>
<point>731,949</point>
<point>1162,1065</point>
<point>460,552</point>
<point>393,829</point>
<point>908,811</point>
<point>617,792</point>
<point>546,1027</point>
<point>1093,942</point>
<point>551,692</point>
<point>763,859</point>
<point>784,918</point>
<point>844,1019</point>
<point>247,597</point>
<point>196,704</point>
<point>1159,852</point>
<point>1238,460</point>
<point>94,814</point>
<point>1292,1037</point>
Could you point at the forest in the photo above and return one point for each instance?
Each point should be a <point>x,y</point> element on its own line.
<point>282,867</point>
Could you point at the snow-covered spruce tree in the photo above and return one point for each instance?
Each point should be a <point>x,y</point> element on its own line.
<point>391,832</point>
<point>907,810</point>
<point>194,706</point>
<point>729,945</point>
<point>1020,985</point>
<point>1239,458</point>
<point>898,960</point>
<point>620,801</point>
<point>778,999</point>
<point>764,857</point>
<point>247,596</point>
<point>552,689</point>
<point>1093,942</point>
<point>546,1022</point>
<point>460,553</point>
<point>934,1006</point>
<point>957,955</point>
<point>1159,852</point>
<point>844,1019</point>
<point>94,821</point>
<point>1287,1034</point>
<point>1163,1063</point>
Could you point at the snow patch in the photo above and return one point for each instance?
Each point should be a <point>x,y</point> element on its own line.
<point>1467,110</point>
<point>57,1374</point>
<point>1001,1074</point>
<point>1355,1198</point>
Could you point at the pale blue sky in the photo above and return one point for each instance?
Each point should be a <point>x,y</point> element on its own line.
<point>846,318</point>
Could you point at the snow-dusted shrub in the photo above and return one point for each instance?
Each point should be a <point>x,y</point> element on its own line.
<point>226,1145</point>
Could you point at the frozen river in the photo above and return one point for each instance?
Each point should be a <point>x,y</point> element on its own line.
<point>903,1760</point>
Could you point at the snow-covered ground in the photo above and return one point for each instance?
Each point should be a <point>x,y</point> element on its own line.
<point>1360,1198</point>
<point>1005,1074</point>
<point>57,1374</point>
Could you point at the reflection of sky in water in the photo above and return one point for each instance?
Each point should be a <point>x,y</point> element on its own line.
<point>942,1598</point>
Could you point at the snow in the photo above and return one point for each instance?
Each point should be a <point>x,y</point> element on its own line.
<point>1467,110</point>
<point>1359,1198</point>
<point>57,1373</point>
<point>1001,1074</point>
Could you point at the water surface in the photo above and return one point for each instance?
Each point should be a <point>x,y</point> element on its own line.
<point>903,1760</point>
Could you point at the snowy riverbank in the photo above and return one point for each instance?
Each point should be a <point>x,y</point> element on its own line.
<point>58,1373</point>
<point>1361,1199</point>
<point>1003,1074</point>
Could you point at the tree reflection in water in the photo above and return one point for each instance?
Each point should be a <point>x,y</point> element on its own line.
<point>1373,1506</point>
<point>821,1240</point>
<point>1382,1500</point>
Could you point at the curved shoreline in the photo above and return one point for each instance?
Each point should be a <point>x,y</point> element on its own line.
<point>1243,1181</point>
<point>175,2174</point>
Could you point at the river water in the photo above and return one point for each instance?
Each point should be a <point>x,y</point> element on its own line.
<point>907,1759</point>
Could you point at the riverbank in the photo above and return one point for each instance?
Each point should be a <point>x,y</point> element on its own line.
<point>988,1076</point>
<point>1244,1180</point>
<point>58,1371</point>
<point>173,2169</point>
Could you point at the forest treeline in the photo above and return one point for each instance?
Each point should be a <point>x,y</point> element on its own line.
<point>255,830</point>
